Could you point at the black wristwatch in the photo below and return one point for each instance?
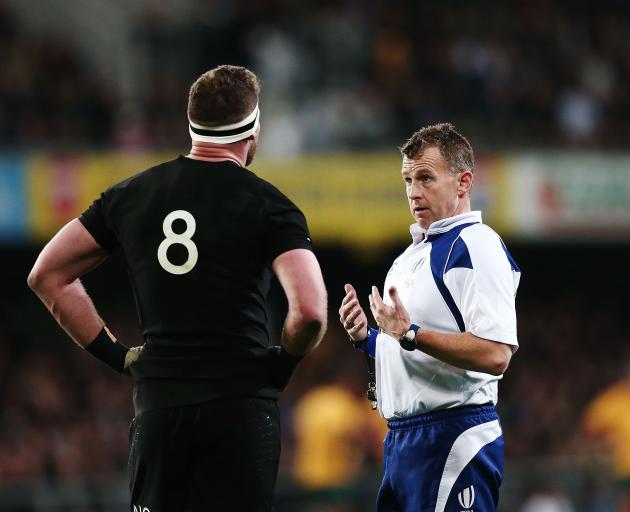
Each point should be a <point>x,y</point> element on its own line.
<point>408,340</point>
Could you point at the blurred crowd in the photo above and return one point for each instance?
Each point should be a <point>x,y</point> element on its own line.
<point>63,416</point>
<point>336,74</point>
<point>48,97</point>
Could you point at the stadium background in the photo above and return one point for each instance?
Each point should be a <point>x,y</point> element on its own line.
<point>92,91</point>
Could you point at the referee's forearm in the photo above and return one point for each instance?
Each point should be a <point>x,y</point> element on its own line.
<point>465,350</point>
<point>71,307</point>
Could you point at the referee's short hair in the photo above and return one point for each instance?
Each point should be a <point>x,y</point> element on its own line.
<point>223,95</point>
<point>453,146</point>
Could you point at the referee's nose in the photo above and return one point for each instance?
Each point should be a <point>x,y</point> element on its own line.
<point>414,191</point>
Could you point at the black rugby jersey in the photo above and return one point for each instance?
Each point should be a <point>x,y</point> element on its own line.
<point>198,239</point>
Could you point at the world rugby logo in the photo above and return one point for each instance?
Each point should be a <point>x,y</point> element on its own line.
<point>466,497</point>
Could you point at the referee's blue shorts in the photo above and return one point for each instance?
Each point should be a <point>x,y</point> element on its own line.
<point>443,461</point>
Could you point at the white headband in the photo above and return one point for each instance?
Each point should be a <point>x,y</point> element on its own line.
<point>228,133</point>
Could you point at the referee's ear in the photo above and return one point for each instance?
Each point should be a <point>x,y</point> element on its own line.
<point>464,183</point>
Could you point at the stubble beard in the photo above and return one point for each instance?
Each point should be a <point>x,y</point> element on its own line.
<point>250,153</point>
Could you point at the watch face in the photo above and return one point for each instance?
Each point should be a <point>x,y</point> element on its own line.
<point>407,342</point>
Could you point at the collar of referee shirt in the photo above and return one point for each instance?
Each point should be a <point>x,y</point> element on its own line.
<point>226,134</point>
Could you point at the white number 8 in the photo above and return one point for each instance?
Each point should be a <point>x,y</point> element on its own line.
<point>183,239</point>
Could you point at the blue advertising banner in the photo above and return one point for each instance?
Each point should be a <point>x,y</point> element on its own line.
<point>13,214</point>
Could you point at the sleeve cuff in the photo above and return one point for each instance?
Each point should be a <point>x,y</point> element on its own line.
<point>498,337</point>
<point>369,345</point>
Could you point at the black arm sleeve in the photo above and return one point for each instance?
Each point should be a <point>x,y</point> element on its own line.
<point>93,219</point>
<point>286,229</point>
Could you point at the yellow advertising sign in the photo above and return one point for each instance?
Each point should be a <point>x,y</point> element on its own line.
<point>59,188</point>
<point>353,199</point>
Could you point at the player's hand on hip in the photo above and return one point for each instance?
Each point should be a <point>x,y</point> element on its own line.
<point>352,316</point>
<point>281,366</point>
<point>132,356</point>
<point>393,320</point>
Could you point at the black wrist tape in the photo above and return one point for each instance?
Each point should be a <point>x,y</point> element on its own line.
<point>283,366</point>
<point>112,353</point>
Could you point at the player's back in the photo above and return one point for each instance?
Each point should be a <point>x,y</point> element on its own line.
<point>198,240</point>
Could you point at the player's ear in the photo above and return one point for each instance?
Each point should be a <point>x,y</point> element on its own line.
<point>465,181</point>
<point>257,132</point>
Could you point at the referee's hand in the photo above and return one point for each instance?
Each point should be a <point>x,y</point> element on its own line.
<point>393,320</point>
<point>352,316</point>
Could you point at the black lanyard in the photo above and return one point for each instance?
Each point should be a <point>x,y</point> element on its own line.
<point>371,390</point>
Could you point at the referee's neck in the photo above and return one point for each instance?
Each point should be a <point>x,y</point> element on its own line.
<point>235,152</point>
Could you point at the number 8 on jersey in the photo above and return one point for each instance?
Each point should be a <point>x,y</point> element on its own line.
<point>183,239</point>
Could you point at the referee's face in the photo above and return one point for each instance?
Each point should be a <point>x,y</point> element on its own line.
<point>433,192</point>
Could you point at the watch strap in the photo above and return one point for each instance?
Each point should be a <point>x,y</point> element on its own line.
<point>408,343</point>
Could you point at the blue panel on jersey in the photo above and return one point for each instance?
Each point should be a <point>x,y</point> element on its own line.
<point>510,259</point>
<point>441,245</point>
<point>460,257</point>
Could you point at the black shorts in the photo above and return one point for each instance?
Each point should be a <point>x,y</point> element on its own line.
<point>215,456</point>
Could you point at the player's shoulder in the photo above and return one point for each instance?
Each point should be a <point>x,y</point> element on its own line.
<point>138,178</point>
<point>269,192</point>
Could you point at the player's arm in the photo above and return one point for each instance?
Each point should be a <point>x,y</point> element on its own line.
<point>463,350</point>
<point>71,254</point>
<point>55,278</point>
<point>301,279</point>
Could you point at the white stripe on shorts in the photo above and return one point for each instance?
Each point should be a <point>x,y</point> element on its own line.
<point>464,449</point>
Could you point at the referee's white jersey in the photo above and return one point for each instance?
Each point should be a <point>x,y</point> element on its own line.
<point>456,277</point>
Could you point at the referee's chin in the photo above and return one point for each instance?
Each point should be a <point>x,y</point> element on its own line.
<point>250,153</point>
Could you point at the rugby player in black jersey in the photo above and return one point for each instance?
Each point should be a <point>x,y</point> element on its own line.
<point>200,236</point>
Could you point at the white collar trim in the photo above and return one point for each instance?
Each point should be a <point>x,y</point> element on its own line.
<point>418,234</point>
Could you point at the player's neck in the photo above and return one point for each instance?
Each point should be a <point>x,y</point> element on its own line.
<point>236,152</point>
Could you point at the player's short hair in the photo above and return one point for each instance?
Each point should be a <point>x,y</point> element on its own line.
<point>453,146</point>
<point>223,95</point>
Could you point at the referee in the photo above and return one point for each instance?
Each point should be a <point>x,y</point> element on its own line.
<point>200,236</point>
<point>447,331</point>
